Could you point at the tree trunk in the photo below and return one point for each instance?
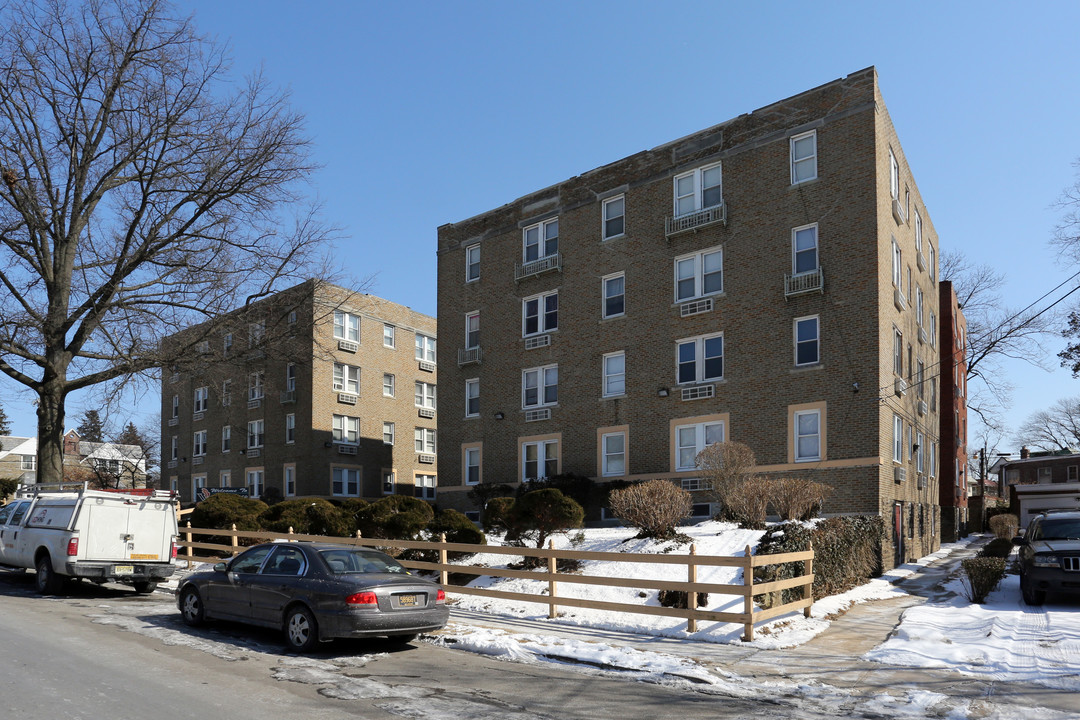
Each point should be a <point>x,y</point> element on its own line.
<point>50,412</point>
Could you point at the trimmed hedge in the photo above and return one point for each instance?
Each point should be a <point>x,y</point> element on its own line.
<point>981,576</point>
<point>997,548</point>
<point>311,516</point>
<point>222,510</point>
<point>394,517</point>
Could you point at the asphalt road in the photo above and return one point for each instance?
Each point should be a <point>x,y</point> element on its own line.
<point>104,653</point>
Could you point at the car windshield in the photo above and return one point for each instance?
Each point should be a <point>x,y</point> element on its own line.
<point>348,560</point>
<point>1059,530</point>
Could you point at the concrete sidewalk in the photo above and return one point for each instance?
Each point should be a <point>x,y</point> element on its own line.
<point>832,658</point>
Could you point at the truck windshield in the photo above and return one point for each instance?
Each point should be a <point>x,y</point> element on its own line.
<point>1059,530</point>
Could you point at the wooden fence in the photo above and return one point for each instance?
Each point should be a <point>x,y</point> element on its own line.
<point>748,589</point>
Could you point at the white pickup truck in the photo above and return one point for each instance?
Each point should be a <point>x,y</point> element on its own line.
<point>94,535</point>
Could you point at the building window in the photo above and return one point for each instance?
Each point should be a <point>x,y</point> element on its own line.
<point>897,266</point>
<point>804,249</point>
<point>387,385</point>
<point>425,487</point>
<point>807,435</point>
<point>290,428</point>
<point>699,275</point>
<point>256,434</point>
<point>226,438</point>
<point>614,454</point>
<point>540,240</point>
<point>614,295</point>
<point>388,433</point>
<point>898,353</point>
<point>226,344</point>
<point>176,406</point>
<point>894,176</point>
<point>807,350</point>
<point>472,466</point>
<point>425,348</point>
<point>698,189</point>
<point>346,378</point>
<point>290,377</point>
<point>346,326</point>
<point>346,429</point>
<point>198,482</point>
<point>472,330</point>
<point>472,263</point>
<point>225,479</point>
<point>931,262</point>
<point>198,445</point>
<point>918,306</point>
<point>898,439</point>
<point>472,397</point>
<point>540,460</point>
<point>425,395</point>
<point>388,336</point>
<point>933,329</point>
<point>174,450</point>
<point>346,482</point>
<point>700,359</point>
<point>226,392</point>
<point>615,374</point>
<point>255,385</point>
<point>919,466</point>
<point>920,378</point>
<point>918,231</point>
<point>388,482</point>
<point>540,386</point>
<point>202,399</point>
<point>692,439</point>
<point>933,459</point>
<point>29,462</point>
<point>540,314</point>
<point>614,220</point>
<point>255,483</point>
<point>803,157</point>
<point>424,438</point>
<point>1044,475</point>
<point>289,480</point>
<point>256,333</point>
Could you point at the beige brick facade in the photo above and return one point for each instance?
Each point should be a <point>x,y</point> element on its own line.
<point>325,355</point>
<point>631,391</point>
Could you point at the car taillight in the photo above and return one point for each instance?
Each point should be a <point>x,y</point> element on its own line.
<point>440,597</point>
<point>362,598</point>
<point>174,550</point>
<point>73,547</point>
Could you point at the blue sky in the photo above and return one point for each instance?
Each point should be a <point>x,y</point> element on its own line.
<point>425,113</point>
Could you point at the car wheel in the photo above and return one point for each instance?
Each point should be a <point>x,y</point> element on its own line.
<point>1031,595</point>
<point>191,607</point>
<point>145,587</point>
<point>301,629</point>
<point>48,582</point>
<point>403,639</point>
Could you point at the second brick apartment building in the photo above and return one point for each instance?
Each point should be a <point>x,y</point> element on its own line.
<point>770,280</point>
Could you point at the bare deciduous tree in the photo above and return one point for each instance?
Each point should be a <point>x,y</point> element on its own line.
<point>1054,429</point>
<point>142,192</point>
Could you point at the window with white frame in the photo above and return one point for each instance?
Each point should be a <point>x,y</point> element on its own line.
<point>226,438</point>
<point>803,157</point>
<point>425,348</point>
<point>346,326</point>
<point>424,439</point>
<point>615,374</point>
<point>807,341</point>
<point>472,466</point>
<point>346,482</point>
<point>226,392</point>
<point>692,439</point>
<point>698,189</point>
<point>256,433</point>
<point>613,446</point>
<point>807,435</point>
<point>918,306</point>
<point>176,406</point>
<point>540,314</point>
<point>290,377</point>
<point>388,482</point>
<point>920,379</point>
<point>202,399</point>
<point>472,330</point>
<point>614,217</point>
<point>255,483</point>
<point>700,359</point>
<point>289,480</point>
<point>919,466</point>
<point>29,462</point>
<point>346,429</point>
<point>898,353</point>
<point>472,397</point>
<point>226,344</point>
<point>918,231</point>
<point>256,333</point>
<point>198,445</point>
<point>931,262</point>
<point>699,274</point>
<point>1045,475</point>
<point>346,378</point>
<point>175,448</point>
<point>255,385</point>
<point>897,266</point>
<point>198,482</point>
<point>540,386</point>
<point>425,487</point>
<point>933,329</point>
<point>894,176</point>
<point>387,385</point>
<point>898,439</point>
<point>539,459</point>
<point>804,249</point>
<point>290,428</point>
<point>388,333</point>
<point>388,433</point>
<point>933,459</point>
<point>472,263</point>
<point>540,240</point>
<point>614,287</point>
<point>424,396</point>
<point>225,479</point>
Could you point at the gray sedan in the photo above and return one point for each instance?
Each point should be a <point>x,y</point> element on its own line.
<point>315,592</point>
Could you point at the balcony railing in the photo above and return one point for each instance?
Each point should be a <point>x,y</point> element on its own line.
<point>696,220</point>
<point>536,267</point>
<point>469,356</point>
<point>813,281</point>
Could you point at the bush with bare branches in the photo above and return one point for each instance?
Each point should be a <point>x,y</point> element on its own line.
<point>1005,526</point>
<point>730,471</point>
<point>655,507</point>
<point>796,498</point>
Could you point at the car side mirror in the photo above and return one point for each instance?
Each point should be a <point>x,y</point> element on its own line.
<point>220,567</point>
<point>1020,541</point>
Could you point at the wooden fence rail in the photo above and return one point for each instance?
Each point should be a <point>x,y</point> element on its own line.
<point>552,577</point>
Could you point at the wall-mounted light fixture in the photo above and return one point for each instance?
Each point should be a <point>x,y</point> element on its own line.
<point>662,392</point>
<point>499,416</point>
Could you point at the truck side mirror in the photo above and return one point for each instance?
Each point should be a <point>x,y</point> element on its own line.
<point>219,567</point>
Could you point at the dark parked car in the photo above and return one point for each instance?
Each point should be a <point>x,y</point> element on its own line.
<point>315,592</point>
<point>1049,556</point>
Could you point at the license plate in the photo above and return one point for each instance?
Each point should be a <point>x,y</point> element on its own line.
<point>408,600</point>
<point>143,556</point>
<point>123,569</point>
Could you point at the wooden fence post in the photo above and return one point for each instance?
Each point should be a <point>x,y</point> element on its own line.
<point>444,576</point>
<point>190,550</point>
<point>235,542</point>
<point>553,566</point>
<point>808,588</point>
<point>748,606</point>
<point>691,595</point>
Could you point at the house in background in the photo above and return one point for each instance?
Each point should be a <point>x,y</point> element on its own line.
<point>102,464</point>
<point>1040,481</point>
<point>18,458</point>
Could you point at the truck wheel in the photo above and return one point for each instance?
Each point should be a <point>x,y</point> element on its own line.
<point>145,587</point>
<point>1031,595</point>
<point>191,607</point>
<point>301,629</point>
<point>48,582</point>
